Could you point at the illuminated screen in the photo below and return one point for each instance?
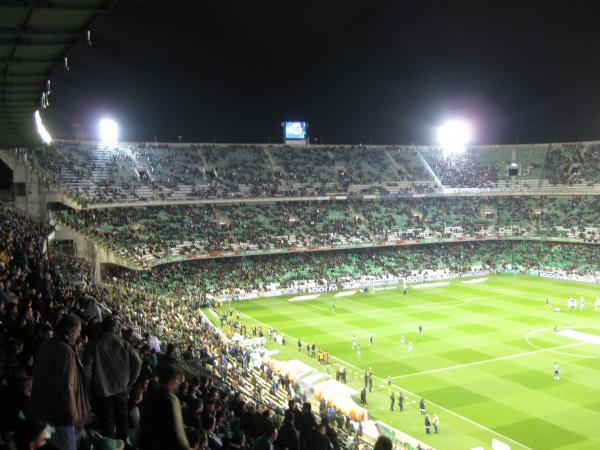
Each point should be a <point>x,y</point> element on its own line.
<point>295,130</point>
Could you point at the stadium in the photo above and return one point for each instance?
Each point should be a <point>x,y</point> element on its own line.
<point>300,295</point>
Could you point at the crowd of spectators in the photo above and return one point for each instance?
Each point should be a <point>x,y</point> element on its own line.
<point>83,366</point>
<point>233,277</point>
<point>493,166</point>
<point>147,234</point>
<point>91,173</point>
<point>573,164</point>
<point>464,171</point>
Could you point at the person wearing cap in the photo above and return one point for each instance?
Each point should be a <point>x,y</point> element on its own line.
<point>59,396</point>
<point>112,366</point>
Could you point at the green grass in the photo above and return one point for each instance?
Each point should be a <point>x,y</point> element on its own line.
<point>473,365</point>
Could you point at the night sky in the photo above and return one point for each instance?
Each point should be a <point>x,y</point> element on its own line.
<point>380,72</point>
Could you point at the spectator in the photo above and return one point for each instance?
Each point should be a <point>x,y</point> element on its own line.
<point>318,439</point>
<point>383,443</point>
<point>161,422</point>
<point>193,413</point>
<point>266,440</point>
<point>59,394</point>
<point>112,365</point>
<point>136,395</point>
<point>308,423</point>
<point>287,436</point>
<point>330,433</point>
<point>236,442</point>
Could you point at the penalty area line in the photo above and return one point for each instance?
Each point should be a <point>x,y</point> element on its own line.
<point>437,405</point>
<point>484,361</point>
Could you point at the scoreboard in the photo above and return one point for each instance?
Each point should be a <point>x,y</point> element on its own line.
<point>295,133</point>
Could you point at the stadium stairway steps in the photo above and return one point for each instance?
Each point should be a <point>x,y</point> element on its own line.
<point>363,221</point>
<point>395,164</point>
<point>273,162</point>
<point>429,170</point>
<point>205,164</point>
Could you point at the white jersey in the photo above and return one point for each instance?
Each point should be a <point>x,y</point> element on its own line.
<point>410,346</point>
<point>402,340</point>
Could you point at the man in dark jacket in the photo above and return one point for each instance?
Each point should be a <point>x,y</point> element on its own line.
<point>318,439</point>
<point>112,365</point>
<point>363,396</point>
<point>59,396</point>
<point>287,437</point>
<point>308,423</point>
<point>162,422</point>
<point>330,434</point>
<point>265,441</point>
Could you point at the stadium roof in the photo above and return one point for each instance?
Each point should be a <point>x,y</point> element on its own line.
<point>35,38</point>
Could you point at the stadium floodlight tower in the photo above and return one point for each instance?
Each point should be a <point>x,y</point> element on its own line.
<point>108,130</point>
<point>454,136</point>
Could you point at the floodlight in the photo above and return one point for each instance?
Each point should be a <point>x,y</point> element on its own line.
<point>109,131</point>
<point>41,129</point>
<point>454,136</point>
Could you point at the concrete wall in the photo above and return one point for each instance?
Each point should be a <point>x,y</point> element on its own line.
<point>89,250</point>
<point>34,201</point>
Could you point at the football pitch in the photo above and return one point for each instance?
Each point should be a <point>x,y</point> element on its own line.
<point>483,364</point>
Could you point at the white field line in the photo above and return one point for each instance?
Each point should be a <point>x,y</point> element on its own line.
<point>345,294</point>
<point>581,336</point>
<point>474,281</point>
<point>430,285</point>
<point>301,298</point>
<point>381,380</point>
<point>484,361</point>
